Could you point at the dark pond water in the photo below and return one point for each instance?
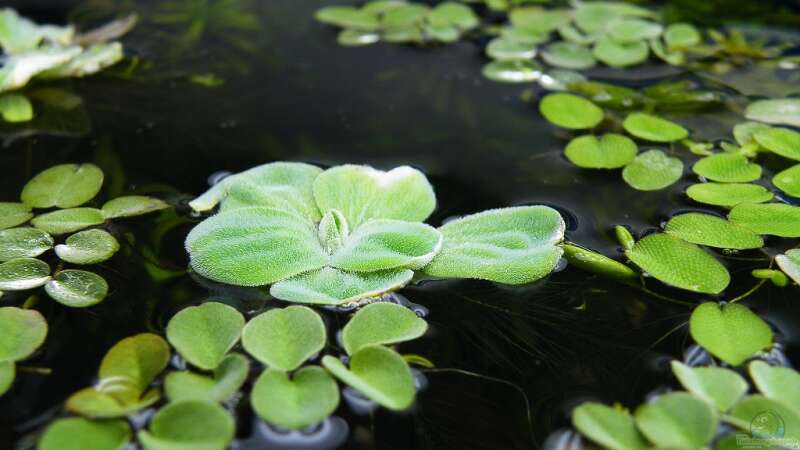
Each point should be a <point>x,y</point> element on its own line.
<point>291,93</point>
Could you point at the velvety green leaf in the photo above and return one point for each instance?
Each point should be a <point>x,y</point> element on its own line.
<point>784,111</point>
<point>333,231</point>
<point>652,170</point>
<point>616,54</point>
<point>204,334</point>
<point>13,214</point>
<point>781,384</point>
<point>381,244</point>
<point>788,180</point>
<point>284,186</point>
<point>254,246</point>
<point>332,286</point>
<point>77,288</point>
<point>776,219</point>
<point>15,108</point>
<point>24,331</point>
<point>348,17</point>
<point>727,168</point>
<point>679,263</point>
<point>518,71</point>
<point>93,404</point>
<point>229,376</point>
<point>23,242</point>
<point>132,205</point>
<point>713,231</point>
<point>790,264</point>
<point>732,333</point>
<point>766,418</point>
<point>570,111</point>
<point>20,274</point>
<point>362,193</point>
<point>781,141</point>
<point>68,220</point>
<point>508,245</point>
<point>607,426</point>
<point>728,194</point>
<point>504,49</point>
<point>74,433</point>
<point>677,420</point>
<point>18,70</point>
<point>8,371</point>
<point>131,365</point>
<point>681,35</point>
<point>611,151</point>
<point>633,30</point>
<point>381,323</point>
<point>91,60</point>
<point>284,338</point>
<point>720,387</point>
<point>19,34</point>
<point>88,247</point>
<point>379,373</point>
<point>568,55</point>
<point>64,186</point>
<point>308,398</point>
<point>189,424</point>
<point>597,263</point>
<point>652,128</point>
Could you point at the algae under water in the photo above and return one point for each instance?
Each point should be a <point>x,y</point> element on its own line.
<point>207,95</point>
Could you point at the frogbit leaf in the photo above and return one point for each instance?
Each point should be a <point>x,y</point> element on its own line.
<point>744,132</point>
<point>775,219</point>
<point>379,373</point>
<point>610,151</point>
<point>24,331</point>
<point>508,245</point>
<point>194,424</point>
<point>8,371</point>
<point>13,214</point>
<point>380,244</point>
<point>381,323</point>
<point>75,433</point>
<point>93,404</point>
<point>679,263</point>
<point>788,180</point>
<point>705,229</point>
<point>64,186</point>
<point>131,205</point>
<point>790,264</point>
<point>607,426</point>
<point>781,141</point>
<point>204,334</point>
<point>732,332</point>
<point>131,365</point>
<point>781,384</point>
<point>784,111</point>
<point>677,420</point>
<point>633,30</point>
<point>88,247</point>
<point>721,388</point>
<point>652,128</point>
<point>362,193</point>
<point>77,288</point>
<point>727,168</point>
<point>20,274</point>
<point>308,398</point>
<point>23,242</point>
<point>617,54</point>
<point>652,170</point>
<point>331,286</point>
<point>229,376</point>
<point>597,263</point>
<point>728,194</point>
<point>570,111</point>
<point>68,220</point>
<point>681,35</point>
<point>284,338</point>
<point>766,418</point>
<point>15,108</point>
<point>348,17</point>
<point>568,55</point>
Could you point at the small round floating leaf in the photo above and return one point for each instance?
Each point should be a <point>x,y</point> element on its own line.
<point>93,404</point>
<point>13,214</point>
<point>774,418</point>
<point>308,398</point>
<point>516,71</point>
<point>381,244</point>
<point>68,220</point>
<point>788,180</point>
<point>23,242</point>
<point>88,247</point>
<point>508,245</point>
<point>616,54</point>
<point>80,434</point>
<point>732,332</point>
<point>781,141</point>
<point>679,263</point>
<point>131,365</point>
<point>784,111</point>
<point>790,264</point>
<point>727,168</point>
<point>677,420</point>
<point>204,334</point>
<point>634,30</point>
<point>681,35</point>
<point>188,424</point>
<point>409,14</point>
<point>330,286</point>
<point>228,378</point>
<point>744,132</point>
<point>713,231</point>
<point>720,387</point>
<point>781,384</point>
<point>15,108</point>
<point>652,128</point>
<point>381,323</point>
<point>570,111</point>
<point>64,186</point>
<point>357,38</point>
<point>132,205</point>
<point>652,170</point>
<point>453,14</point>
<point>348,17</point>
<point>536,18</point>
<point>597,263</point>
<point>8,371</point>
<point>524,35</point>
<point>77,288</point>
<point>607,426</point>
<point>775,219</point>
<point>24,331</point>
<point>568,55</point>
<point>611,151</point>
<point>504,49</point>
<point>20,274</point>
<point>284,338</point>
<point>728,194</point>
<point>379,373</point>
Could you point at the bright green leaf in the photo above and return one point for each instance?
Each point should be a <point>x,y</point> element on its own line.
<point>381,244</point>
<point>204,334</point>
<point>91,60</point>
<point>541,20</point>
<point>713,231</point>
<point>93,404</point>
<point>598,263</point>
<point>332,286</point>
<point>745,132</point>
<point>504,49</point>
<point>788,180</point>
<point>681,35</point>
<point>568,55</point>
<point>616,54</point>
<point>229,376</point>
<point>784,111</point>
<point>720,387</point>
<point>781,384</point>
<point>8,371</point>
<point>781,141</point>
<point>653,128</point>
<point>517,71</point>
<point>18,70</point>
<point>570,111</point>
<point>607,426</point>
<point>15,108</point>
<point>775,219</point>
<point>727,168</point>
<point>189,424</point>
<point>75,433</point>
<point>677,420</point>
<point>88,247</point>
<point>732,332</point>
<point>633,30</point>
<point>131,365</point>
<point>68,220</point>
<point>348,17</point>
<point>381,323</point>
<point>453,14</point>
<point>77,288</point>
<point>24,331</point>
<point>23,242</point>
<point>64,186</point>
<point>652,170</point>
<point>284,338</point>
<point>20,274</point>
<point>728,194</point>
<point>611,151</point>
<point>132,205</point>
<point>766,419</point>
<point>790,264</point>
<point>13,214</point>
<point>307,398</point>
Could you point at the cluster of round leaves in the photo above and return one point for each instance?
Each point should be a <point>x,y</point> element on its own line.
<point>694,418</point>
<point>398,21</point>
<point>290,392</point>
<point>25,239</point>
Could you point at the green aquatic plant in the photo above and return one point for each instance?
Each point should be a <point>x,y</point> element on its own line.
<point>76,433</point>
<point>225,381</point>
<point>731,332</point>
<point>202,345</point>
<point>24,331</point>
<point>284,338</point>
<point>189,424</point>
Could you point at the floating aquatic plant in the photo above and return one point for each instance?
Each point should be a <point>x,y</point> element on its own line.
<point>24,331</point>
